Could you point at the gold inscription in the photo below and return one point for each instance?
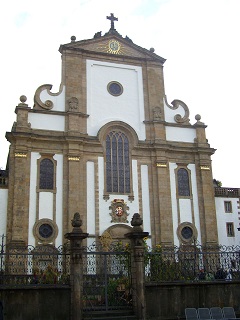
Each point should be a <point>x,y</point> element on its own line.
<point>20,155</point>
<point>73,158</point>
<point>205,168</point>
<point>161,165</point>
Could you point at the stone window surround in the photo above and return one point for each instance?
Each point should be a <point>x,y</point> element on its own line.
<point>50,157</point>
<point>37,235</point>
<point>190,240</point>
<point>119,86</point>
<point>183,166</point>
<point>230,229</point>
<point>228,206</point>
<point>132,139</point>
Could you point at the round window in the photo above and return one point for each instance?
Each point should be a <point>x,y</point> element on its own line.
<point>187,233</point>
<point>45,230</point>
<point>115,88</point>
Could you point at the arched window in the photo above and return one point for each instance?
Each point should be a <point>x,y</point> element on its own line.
<point>183,182</point>
<point>117,162</point>
<point>46,180</point>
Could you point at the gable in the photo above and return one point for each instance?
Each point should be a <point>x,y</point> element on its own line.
<point>112,44</point>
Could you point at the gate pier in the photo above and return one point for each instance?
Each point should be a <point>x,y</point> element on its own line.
<point>76,266</point>
<point>137,266</point>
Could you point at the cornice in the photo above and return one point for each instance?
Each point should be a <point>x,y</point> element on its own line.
<point>59,113</point>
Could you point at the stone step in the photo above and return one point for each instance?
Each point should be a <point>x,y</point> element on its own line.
<point>112,314</point>
<point>104,317</point>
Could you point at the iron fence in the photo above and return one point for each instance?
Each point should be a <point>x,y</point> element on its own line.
<point>49,265</point>
<point>41,265</point>
<point>192,263</point>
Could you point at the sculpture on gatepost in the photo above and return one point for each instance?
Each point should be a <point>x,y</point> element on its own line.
<point>137,265</point>
<point>76,268</point>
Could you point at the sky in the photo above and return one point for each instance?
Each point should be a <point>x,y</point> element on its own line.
<point>199,39</point>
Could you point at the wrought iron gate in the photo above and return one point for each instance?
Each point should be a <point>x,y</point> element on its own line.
<point>106,280</point>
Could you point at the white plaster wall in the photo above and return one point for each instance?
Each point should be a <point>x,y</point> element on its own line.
<point>145,199</point>
<point>192,168</point>
<point>223,218</point>
<point>59,198</point>
<point>46,121</point>
<point>58,99</point>
<point>32,196</point>
<point>45,198</point>
<point>102,205</point>
<point>3,211</point>
<point>104,211</point>
<point>91,225</point>
<point>46,205</point>
<point>185,206</point>
<point>172,167</point>
<point>134,205</point>
<point>180,134</point>
<point>102,107</point>
<point>185,210</point>
<point>170,113</point>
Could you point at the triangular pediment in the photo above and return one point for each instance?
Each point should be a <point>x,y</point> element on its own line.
<point>112,44</point>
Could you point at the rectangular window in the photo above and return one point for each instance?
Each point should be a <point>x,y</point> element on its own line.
<point>230,229</point>
<point>228,206</point>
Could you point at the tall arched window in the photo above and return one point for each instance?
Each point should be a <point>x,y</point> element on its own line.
<point>117,162</point>
<point>46,180</point>
<point>183,182</point>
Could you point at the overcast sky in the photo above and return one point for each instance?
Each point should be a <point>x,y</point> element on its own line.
<point>199,38</point>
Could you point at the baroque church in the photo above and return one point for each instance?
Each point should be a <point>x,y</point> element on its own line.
<point>108,145</point>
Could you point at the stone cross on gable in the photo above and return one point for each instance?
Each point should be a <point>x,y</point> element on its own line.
<point>112,18</point>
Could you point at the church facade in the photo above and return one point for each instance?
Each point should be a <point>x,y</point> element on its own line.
<point>107,145</point>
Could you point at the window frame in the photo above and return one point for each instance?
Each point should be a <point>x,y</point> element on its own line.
<point>133,141</point>
<point>38,236</point>
<point>230,229</point>
<point>226,205</point>
<point>48,157</point>
<point>119,136</point>
<point>189,182</point>
<point>180,234</point>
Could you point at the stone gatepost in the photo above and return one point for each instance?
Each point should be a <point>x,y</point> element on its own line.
<point>137,266</point>
<point>76,266</point>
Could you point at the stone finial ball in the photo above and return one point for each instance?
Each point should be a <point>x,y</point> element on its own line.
<point>152,50</point>
<point>23,99</point>
<point>198,117</point>
<point>73,38</point>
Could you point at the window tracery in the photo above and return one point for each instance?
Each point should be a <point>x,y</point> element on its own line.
<point>183,182</point>
<point>46,179</point>
<point>117,162</point>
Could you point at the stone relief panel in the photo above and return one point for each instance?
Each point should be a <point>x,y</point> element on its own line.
<point>73,104</point>
<point>119,210</point>
<point>157,113</point>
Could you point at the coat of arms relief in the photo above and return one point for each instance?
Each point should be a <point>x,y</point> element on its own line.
<point>119,211</point>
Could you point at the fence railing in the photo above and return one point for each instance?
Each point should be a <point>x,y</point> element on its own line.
<point>47,265</point>
<point>192,263</point>
<point>34,266</point>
